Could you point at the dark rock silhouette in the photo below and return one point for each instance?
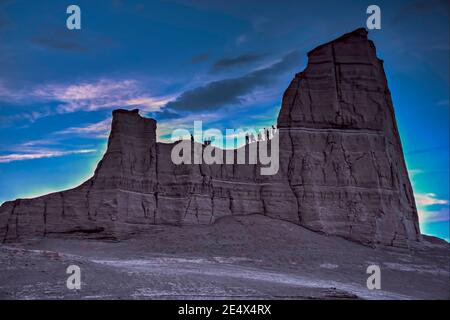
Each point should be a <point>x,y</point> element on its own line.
<point>342,170</point>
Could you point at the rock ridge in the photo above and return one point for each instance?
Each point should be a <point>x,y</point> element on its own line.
<point>342,170</point>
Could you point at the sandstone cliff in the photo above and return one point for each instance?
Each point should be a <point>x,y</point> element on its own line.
<point>344,158</point>
<point>342,170</point>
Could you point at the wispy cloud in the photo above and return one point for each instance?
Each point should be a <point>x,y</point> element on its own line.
<point>8,94</point>
<point>30,116</point>
<point>425,215</point>
<point>426,208</point>
<point>428,199</point>
<point>91,96</point>
<point>147,104</point>
<point>241,60</point>
<point>84,91</point>
<point>164,129</point>
<point>41,154</point>
<point>221,93</point>
<point>85,96</point>
<point>414,172</point>
<point>98,130</point>
<point>39,142</point>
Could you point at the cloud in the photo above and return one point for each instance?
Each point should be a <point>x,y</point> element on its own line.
<point>430,214</point>
<point>164,114</point>
<point>40,154</point>
<point>433,216</point>
<point>164,129</point>
<point>98,130</point>
<point>220,93</point>
<point>39,142</point>
<point>92,96</point>
<point>413,172</point>
<point>243,59</point>
<point>85,96</point>
<point>83,91</point>
<point>31,116</point>
<point>8,94</point>
<point>19,96</point>
<point>428,199</point>
<point>147,103</point>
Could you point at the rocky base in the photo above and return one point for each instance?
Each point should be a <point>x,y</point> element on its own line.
<point>251,257</point>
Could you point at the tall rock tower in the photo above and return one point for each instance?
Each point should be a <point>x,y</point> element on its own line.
<point>341,147</point>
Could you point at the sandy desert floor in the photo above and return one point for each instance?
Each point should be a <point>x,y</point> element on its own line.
<point>240,257</point>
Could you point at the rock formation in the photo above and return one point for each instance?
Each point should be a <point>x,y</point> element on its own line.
<point>342,170</point>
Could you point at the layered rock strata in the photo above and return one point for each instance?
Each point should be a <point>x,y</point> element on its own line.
<point>342,170</point>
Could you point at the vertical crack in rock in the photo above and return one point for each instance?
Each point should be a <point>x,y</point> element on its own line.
<point>336,74</point>
<point>143,208</point>
<point>230,205</point>
<point>290,174</point>
<point>196,214</point>
<point>16,222</point>
<point>15,203</point>
<point>156,186</point>
<point>63,212</point>
<point>187,206</point>
<point>156,207</point>
<point>292,155</point>
<point>212,194</point>
<point>88,207</point>
<point>45,218</point>
<point>349,165</point>
<point>127,205</point>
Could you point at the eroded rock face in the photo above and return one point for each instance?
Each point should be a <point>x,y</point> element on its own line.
<point>341,172</point>
<point>342,148</point>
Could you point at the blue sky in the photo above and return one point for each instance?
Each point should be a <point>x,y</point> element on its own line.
<point>224,62</point>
